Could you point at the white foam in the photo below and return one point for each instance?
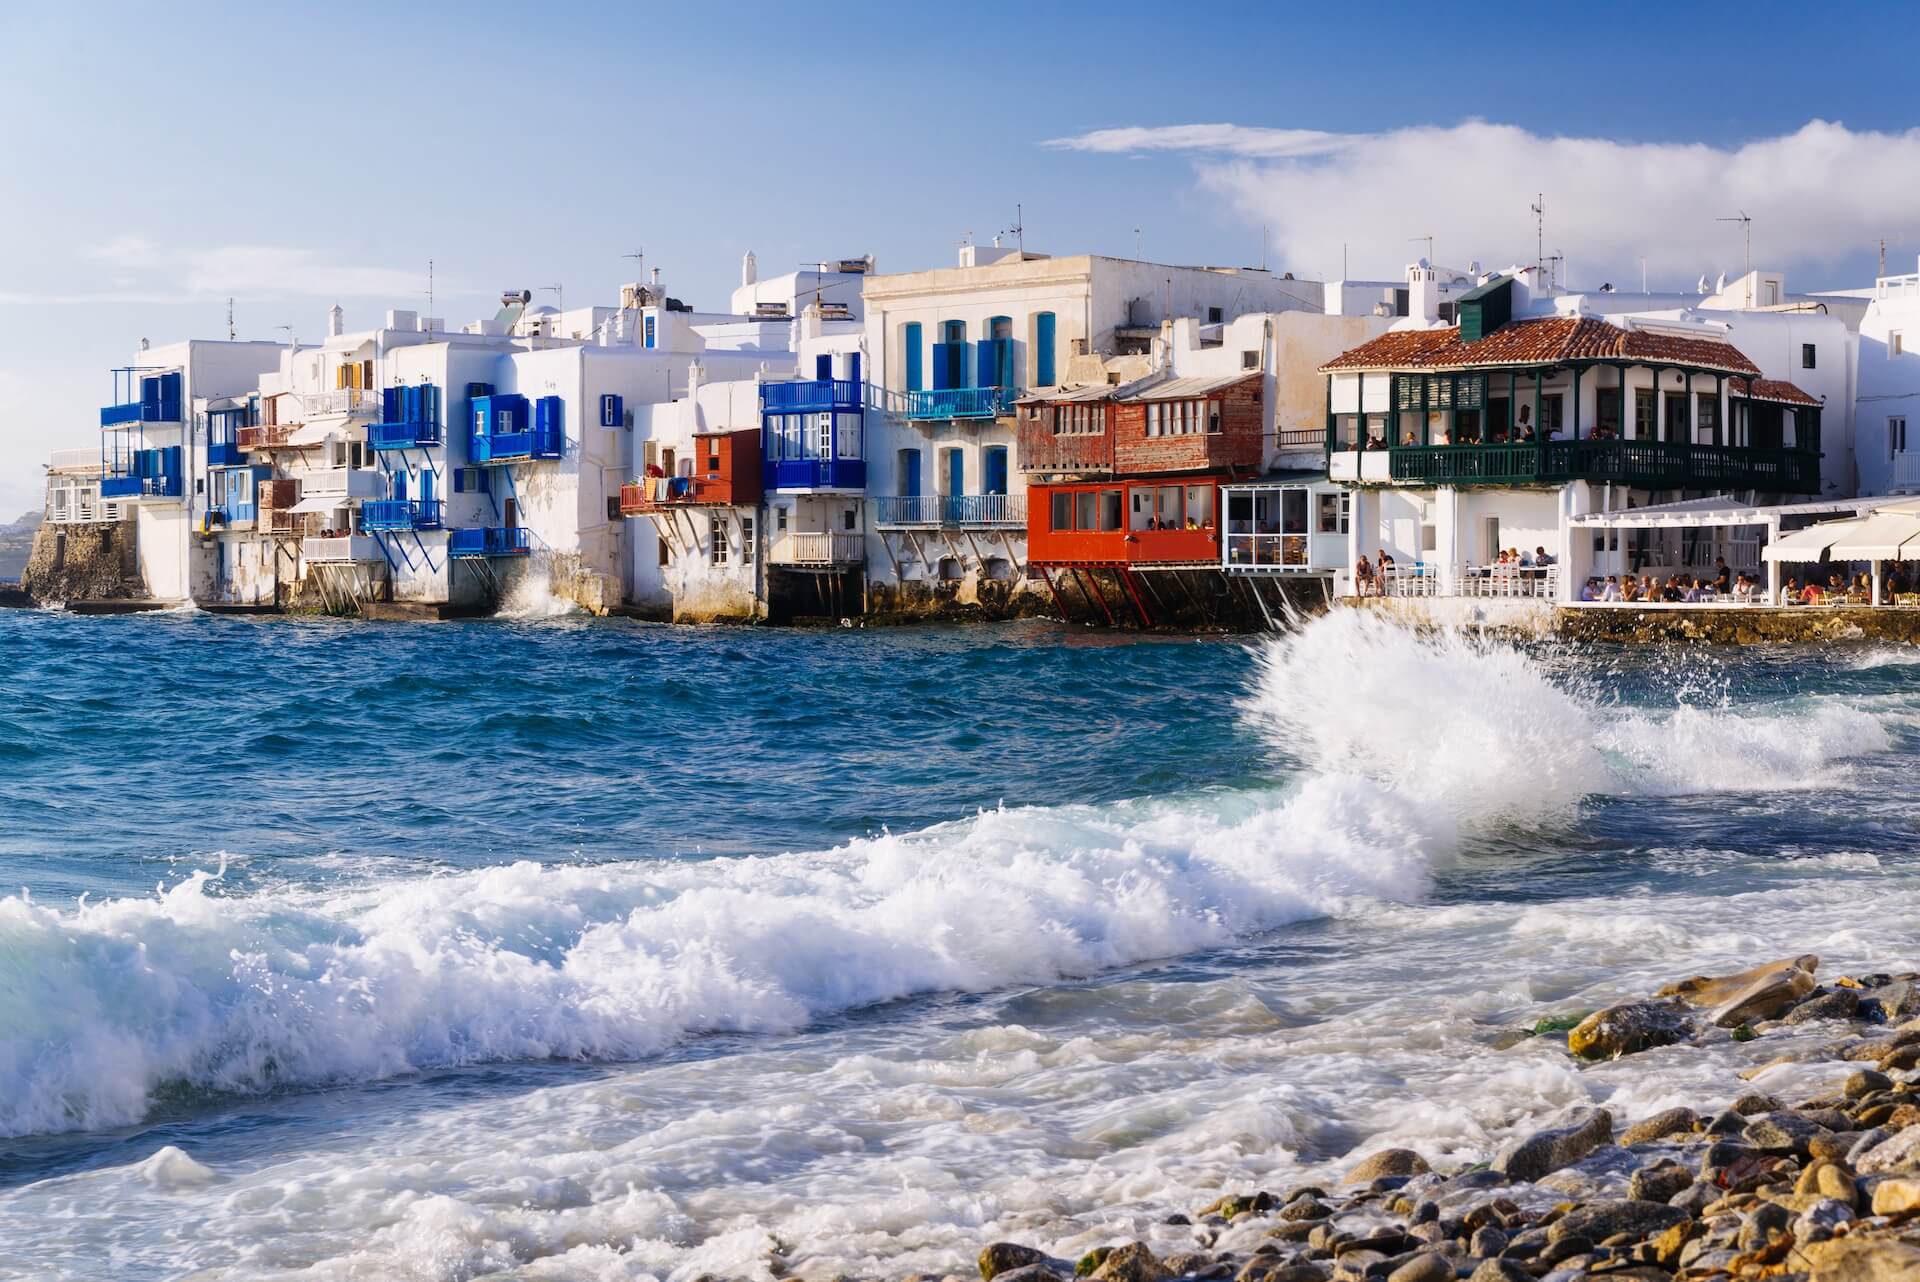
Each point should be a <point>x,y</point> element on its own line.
<point>171,1168</point>
<point>531,596</point>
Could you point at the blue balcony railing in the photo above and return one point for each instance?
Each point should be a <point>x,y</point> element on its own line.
<point>402,436</point>
<point>814,474</point>
<point>535,442</point>
<point>962,402</point>
<point>400,514</point>
<point>164,486</point>
<point>225,454</point>
<point>490,540</point>
<point>810,395</point>
<point>114,415</point>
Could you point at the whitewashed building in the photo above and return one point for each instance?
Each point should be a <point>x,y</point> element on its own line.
<point>1887,457</point>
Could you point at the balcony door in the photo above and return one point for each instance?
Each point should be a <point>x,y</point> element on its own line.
<point>993,469</point>
<point>956,472</point>
<point>909,471</point>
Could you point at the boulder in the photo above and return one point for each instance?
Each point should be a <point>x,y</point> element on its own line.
<point>1499,1271</point>
<point>1544,1152</point>
<point>1766,997</point>
<point>1896,1196</point>
<point>1598,1221</point>
<point>1841,1003</point>
<point>1629,1027</point>
<point>1661,1182</point>
<point>1818,1221</point>
<point>1387,1162</point>
<point>1717,990</point>
<point>1672,1121</point>
<point>1004,1257</point>
<point>1856,1259</point>
<point>1893,1001</point>
<point>1901,1152</point>
<point>1428,1266</point>
<point>1131,1263</point>
<point>1781,1132</point>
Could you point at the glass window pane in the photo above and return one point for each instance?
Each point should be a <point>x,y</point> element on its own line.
<point>1110,510</point>
<point>1085,504</point>
<point>1063,511</point>
<point>1199,506</point>
<point>1141,515</point>
<point>1169,503</point>
<point>1293,512</point>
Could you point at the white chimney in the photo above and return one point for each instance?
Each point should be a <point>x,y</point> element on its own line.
<point>749,269</point>
<point>336,321</point>
<point>1423,292</point>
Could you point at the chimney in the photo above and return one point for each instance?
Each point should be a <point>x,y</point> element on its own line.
<point>336,321</point>
<point>1423,292</point>
<point>749,269</point>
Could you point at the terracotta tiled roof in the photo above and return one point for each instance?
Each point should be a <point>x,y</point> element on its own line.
<point>1771,389</point>
<point>1549,340</point>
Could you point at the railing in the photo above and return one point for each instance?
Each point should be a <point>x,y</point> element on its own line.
<point>962,402</point>
<point>952,510</point>
<point>907,509</point>
<point>400,514</point>
<point>265,436</point>
<point>1907,286</point>
<point>342,483</point>
<point>824,548</point>
<point>490,540</point>
<point>1301,438</point>
<point>535,442</point>
<point>287,524</point>
<point>1647,464</point>
<point>814,474</point>
<point>344,547</point>
<point>75,461</point>
<point>402,436</point>
<point>165,486</point>
<point>810,395</point>
<point>114,415</point>
<point>224,454</point>
<point>1509,581</point>
<point>1906,470</point>
<point>85,511</point>
<point>356,402</point>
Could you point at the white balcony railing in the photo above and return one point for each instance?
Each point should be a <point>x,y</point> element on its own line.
<point>82,460</point>
<point>356,402</point>
<point>1906,470</point>
<point>819,549</point>
<point>88,511</point>
<point>345,547</point>
<point>1907,286</point>
<point>344,483</point>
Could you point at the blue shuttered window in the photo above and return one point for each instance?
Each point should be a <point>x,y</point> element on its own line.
<point>612,411</point>
<point>910,341</point>
<point>1043,367</point>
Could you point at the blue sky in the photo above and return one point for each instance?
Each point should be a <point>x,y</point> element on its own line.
<point>155,163</point>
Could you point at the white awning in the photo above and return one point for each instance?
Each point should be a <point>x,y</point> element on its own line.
<point>323,503</point>
<point>1892,535</point>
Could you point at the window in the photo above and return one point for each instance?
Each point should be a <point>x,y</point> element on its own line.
<point>1643,413</point>
<point>1807,351</point>
<point>746,539</point>
<point>613,507</point>
<point>1213,418</point>
<point>1141,516</point>
<point>1249,360</point>
<point>1043,341</point>
<point>1200,508</point>
<point>717,537</point>
<point>666,556</point>
<point>1110,510</point>
<point>1086,510</point>
<point>1896,343</point>
<point>649,343</point>
<point>847,518</point>
<point>1332,515</point>
<point>1606,409</point>
<point>1214,316</point>
<point>1062,510</point>
<point>611,413</point>
<point>473,480</point>
<point>780,519</point>
<point>1552,413</point>
<point>1896,436</point>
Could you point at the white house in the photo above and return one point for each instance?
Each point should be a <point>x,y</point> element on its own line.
<point>1889,388</point>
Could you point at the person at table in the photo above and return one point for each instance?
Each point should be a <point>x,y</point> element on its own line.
<point>1611,592</point>
<point>1810,594</point>
<point>1722,576</point>
<point>1540,557</point>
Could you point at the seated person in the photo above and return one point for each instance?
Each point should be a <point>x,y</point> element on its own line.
<point>1540,557</point>
<point>1589,591</point>
<point>1611,592</point>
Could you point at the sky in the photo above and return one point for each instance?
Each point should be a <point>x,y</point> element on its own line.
<point>159,160</point>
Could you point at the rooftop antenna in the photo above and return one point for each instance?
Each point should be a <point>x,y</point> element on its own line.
<point>429,315</point>
<point>1553,261</point>
<point>559,296</point>
<point>1883,256</point>
<point>1414,240</point>
<point>1539,234</point>
<point>1019,230</point>
<point>1643,273</point>
<point>1883,259</point>
<point>1746,230</point>
<point>638,256</point>
<point>1136,245</point>
<point>1263,247</point>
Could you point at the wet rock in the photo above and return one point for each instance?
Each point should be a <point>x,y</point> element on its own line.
<point>1840,1003</point>
<point>1043,1272</point>
<point>1672,1121</point>
<point>1091,1260</point>
<point>1852,1259</point>
<point>1131,1263</point>
<point>1758,1228</point>
<point>1818,1222</point>
<point>1560,1250</point>
<point>1387,1162</point>
<point>1782,1132</point>
<point>1667,1244</point>
<point>1900,1152</point>
<point>1004,1257</point>
<point>1627,1028</point>
<point>1717,990</point>
<point>1900,1059</point>
<point>1893,1001</point>
<point>1499,1271</point>
<point>1177,1219</point>
<point>1305,1208</point>
<point>1187,1263</point>
<point>1660,1182</point>
<point>1896,1196</point>
<point>1695,1198</point>
<point>1755,1102</point>
<point>1428,1266</point>
<point>1544,1152</point>
<point>1598,1221</point>
<point>1487,1242</point>
<point>1727,1123</point>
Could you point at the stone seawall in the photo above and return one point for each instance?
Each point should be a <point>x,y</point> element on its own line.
<point>1737,625</point>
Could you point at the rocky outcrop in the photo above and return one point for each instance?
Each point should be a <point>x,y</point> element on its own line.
<point>94,562</point>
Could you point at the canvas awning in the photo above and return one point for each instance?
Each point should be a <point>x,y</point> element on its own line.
<point>322,503</point>
<point>1892,535</point>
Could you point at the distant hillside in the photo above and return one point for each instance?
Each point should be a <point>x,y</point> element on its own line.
<point>28,521</point>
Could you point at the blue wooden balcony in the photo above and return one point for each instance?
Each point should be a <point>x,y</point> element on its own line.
<point>115,415</point>
<point>810,396</point>
<point>535,442</point>
<point>149,474</point>
<point>490,540</point>
<point>379,515</point>
<point>165,486</point>
<point>225,454</point>
<point>962,402</point>
<point>815,474</point>
<point>402,436</point>
<point>160,398</point>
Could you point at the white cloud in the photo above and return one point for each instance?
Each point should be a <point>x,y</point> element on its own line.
<point>1818,195</point>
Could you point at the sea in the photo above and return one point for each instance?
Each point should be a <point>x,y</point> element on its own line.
<point>561,948</point>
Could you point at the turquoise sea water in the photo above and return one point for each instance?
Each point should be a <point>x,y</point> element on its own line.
<point>574,948</point>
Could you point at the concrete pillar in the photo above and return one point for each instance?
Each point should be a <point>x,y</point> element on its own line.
<point>1773,567</point>
<point>1446,538</point>
<point>1876,584</point>
<point>1575,553</point>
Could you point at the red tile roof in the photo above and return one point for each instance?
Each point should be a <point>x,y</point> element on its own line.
<point>1771,389</point>
<point>1550,340</point>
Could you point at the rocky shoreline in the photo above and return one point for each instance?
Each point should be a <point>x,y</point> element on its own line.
<point>1824,1188</point>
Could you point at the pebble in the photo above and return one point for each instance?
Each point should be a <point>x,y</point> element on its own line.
<point>1544,1152</point>
<point>1672,1121</point>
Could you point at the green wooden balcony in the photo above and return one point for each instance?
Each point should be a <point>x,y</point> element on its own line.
<point>1653,465</point>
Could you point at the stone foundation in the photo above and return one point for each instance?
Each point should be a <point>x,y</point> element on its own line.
<point>1748,625</point>
<point>96,562</point>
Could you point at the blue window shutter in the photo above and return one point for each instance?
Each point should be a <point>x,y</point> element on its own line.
<point>649,328</point>
<point>1043,350</point>
<point>853,368</point>
<point>910,474</point>
<point>942,368</point>
<point>459,480</point>
<point>823,367</point>
<point>956,472</point>
<point>994,469</point>
<point>426,485</point>
<point>986,369</point>
<point>400,486</point>
<point>910,339</point>
<point>957,354</point>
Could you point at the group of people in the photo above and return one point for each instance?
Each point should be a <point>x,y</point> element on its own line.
<point>1839,589</point>
<point>1679,589</point>
<point>1370,577</point>
<point>1538,559</point>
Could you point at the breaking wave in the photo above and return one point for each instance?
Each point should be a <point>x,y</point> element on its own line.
<point>1402,744</point>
